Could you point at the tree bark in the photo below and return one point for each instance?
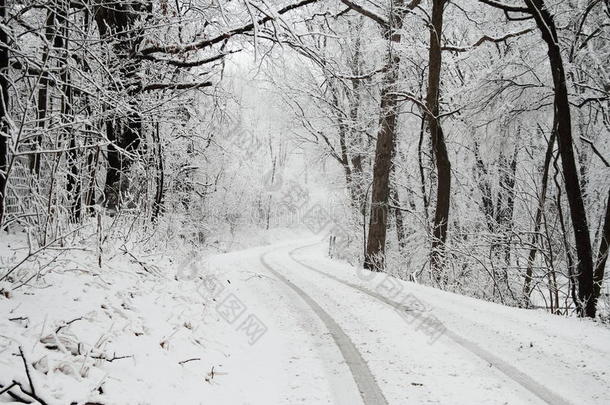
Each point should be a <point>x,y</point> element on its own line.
<point>73,186</point>
<point>4,99</point>
<point>485,189</point>
<point>395,199</point>
<point>400,223</point>
<point>422,174</point>
<point>42,103</point>
<point>115,23</point>
<point>343,158</point>
<point>506,208</point>
<point>375,248</point>
<point>602,256</point>
<point>443,165</point>
<point>546,25</point>
<point>92,165</point>
<point>355,140</point>
<point>160,178</point>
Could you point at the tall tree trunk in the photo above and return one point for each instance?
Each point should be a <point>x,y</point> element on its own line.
<point>395,199</point>
<point>484,185</point>
<point>113,170</point>
<point>343,158</point>
<point>400,223</point>
<point>505,210</point>
<point>92,153</point>
<point>355,136</point>
<point>546,25</point>
<point>375,248</point>
<point>160,190</point>
<point>604,244</point>
<point>602,255</point>
<point>42,104</point>
<point>443,166</point>
<point>4,99</point>
<point>74,181</point>
<point>506,192</point>
<point>73,186</point>
<point>422,174</point>
<point>115,23</point>
<point>92,165</point>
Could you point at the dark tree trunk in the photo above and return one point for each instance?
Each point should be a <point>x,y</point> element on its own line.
<point>381,175</point>
<point>73,186</point>
<point>113,171</point>
<point>506,193</point>
<point>484,185</point>
<point>375,247</point>
<point>400,223</point>
<point>42,104</point>
<point>602,255</point>
<point>546,25</point>
<point>160,190</point>
<point>343,158</point>
<point>92,153</point>
<point>4,99</point>
<point>443,166</point>
<point>92,164</point>
<point>115,23</point>
<point>124,135</point>
<point>422,174</point>
<point>395,199</point>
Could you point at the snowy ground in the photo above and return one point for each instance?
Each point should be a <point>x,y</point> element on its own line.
<point>283,324</point>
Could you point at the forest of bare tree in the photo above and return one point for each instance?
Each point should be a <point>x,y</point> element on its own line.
<point>458,144</point>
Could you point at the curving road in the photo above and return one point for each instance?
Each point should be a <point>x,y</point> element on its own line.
<point>510,371</point>
<point>481,358</point>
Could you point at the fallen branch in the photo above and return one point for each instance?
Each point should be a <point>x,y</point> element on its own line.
<point>141,263</point>
<point>32,393</point>
<point>4,390</point>
<point>29,394</point>
<point>110,360</point>
<point>68,323</point>
<point>16,397</point>
<point>189,360</point>
<point>27,372</point>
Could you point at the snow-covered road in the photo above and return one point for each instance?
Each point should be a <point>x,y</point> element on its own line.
<point>351,336</point>
<point>368,388</point>
<point>284,324</point>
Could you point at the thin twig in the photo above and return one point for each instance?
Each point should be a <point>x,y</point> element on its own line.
<point>599,155</point>
<point>7,388</point>
<point>34,253</point>
<point>113,358</point>
<point>27,371</point>
<point>189,360</point>
<point>68,323</point>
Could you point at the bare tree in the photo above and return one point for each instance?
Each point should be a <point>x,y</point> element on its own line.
<point>443,166</point>
<point>4,100</point>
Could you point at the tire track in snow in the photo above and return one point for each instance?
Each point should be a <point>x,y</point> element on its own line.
<point>370,392</point>
<point>507,369</point>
